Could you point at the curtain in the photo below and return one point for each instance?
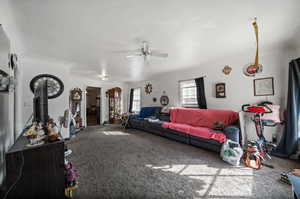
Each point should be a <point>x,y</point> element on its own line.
<point>201,93</point>
<point>288,144</point>
<point>131,100</point>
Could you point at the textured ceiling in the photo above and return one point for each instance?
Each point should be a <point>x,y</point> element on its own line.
<point>89,33</point>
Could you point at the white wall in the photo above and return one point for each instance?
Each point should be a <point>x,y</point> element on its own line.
<point>239,88</point>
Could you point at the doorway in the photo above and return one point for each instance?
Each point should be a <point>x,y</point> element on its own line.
<point>93,106</point>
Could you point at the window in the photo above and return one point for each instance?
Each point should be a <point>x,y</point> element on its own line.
<point>136,103</point>
<point>188,93</point>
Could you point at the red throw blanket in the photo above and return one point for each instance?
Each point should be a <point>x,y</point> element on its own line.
<point>203,117</point>
<point>199,122</point>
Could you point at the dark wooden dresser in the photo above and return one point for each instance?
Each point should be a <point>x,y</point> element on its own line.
<point>41,168</point>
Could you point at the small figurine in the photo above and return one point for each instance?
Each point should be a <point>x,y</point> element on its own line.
<point>78,121</point>
<point>70,179</point>
<point>53,132</point>
<point>31,133</point>
<point>35,134</point>
<point>52,127</point>
<point>40,129</point>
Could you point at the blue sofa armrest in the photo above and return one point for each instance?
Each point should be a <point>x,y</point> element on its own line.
<point>295,181</point>
<point>232,133</point>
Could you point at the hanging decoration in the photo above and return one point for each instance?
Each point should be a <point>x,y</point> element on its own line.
<point>255,68</point>
<point>227,70</point>
<point>148,88</point>
<point>75,106</point>
<point>76,95</point>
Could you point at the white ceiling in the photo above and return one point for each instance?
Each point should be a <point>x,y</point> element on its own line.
<point>87,33</point>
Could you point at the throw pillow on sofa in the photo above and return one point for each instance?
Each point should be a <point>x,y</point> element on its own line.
<point>219,126</point>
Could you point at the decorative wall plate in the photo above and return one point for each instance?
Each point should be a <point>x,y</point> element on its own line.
<point>227,70</point>
<point>55,85</point>
<point>252,70</point>
<point>148,88</point>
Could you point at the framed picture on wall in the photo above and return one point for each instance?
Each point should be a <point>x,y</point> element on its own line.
<point>220,90</point>
<point>263,86</point>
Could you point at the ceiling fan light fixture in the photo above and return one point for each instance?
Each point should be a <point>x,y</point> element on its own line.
<point>146,52</point>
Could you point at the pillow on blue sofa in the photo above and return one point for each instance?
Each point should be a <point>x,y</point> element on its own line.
<point>147,112</point>
<point>232,133</point>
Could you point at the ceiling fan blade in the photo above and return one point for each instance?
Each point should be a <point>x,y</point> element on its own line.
<point>126,51</point>
<point>159,54</point>
<point>136,55</point>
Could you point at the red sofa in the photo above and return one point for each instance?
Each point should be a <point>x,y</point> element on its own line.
<point>199,122</point>
<point>192,126</point>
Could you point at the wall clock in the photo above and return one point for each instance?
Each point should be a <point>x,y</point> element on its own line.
<point>55,85</point>
<point>148,88</point>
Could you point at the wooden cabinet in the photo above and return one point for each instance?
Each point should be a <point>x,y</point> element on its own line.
<point>114,104</point>
<point>38,170</point>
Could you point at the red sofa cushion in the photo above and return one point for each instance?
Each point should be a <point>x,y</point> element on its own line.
<point>177,127</point>
<point>202,117</point>
<point>208,134</point>
<point>196,131</point>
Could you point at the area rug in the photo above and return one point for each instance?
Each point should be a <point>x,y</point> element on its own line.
<point>118,163</point>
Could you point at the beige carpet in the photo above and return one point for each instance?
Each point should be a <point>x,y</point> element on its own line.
<point>118,163</point>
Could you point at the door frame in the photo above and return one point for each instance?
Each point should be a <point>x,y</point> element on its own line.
<point>85,104</point>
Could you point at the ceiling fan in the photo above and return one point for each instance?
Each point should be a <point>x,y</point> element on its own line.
<point>146,52</point>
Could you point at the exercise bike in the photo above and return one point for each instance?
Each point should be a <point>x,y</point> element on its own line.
<point>264,147</point>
